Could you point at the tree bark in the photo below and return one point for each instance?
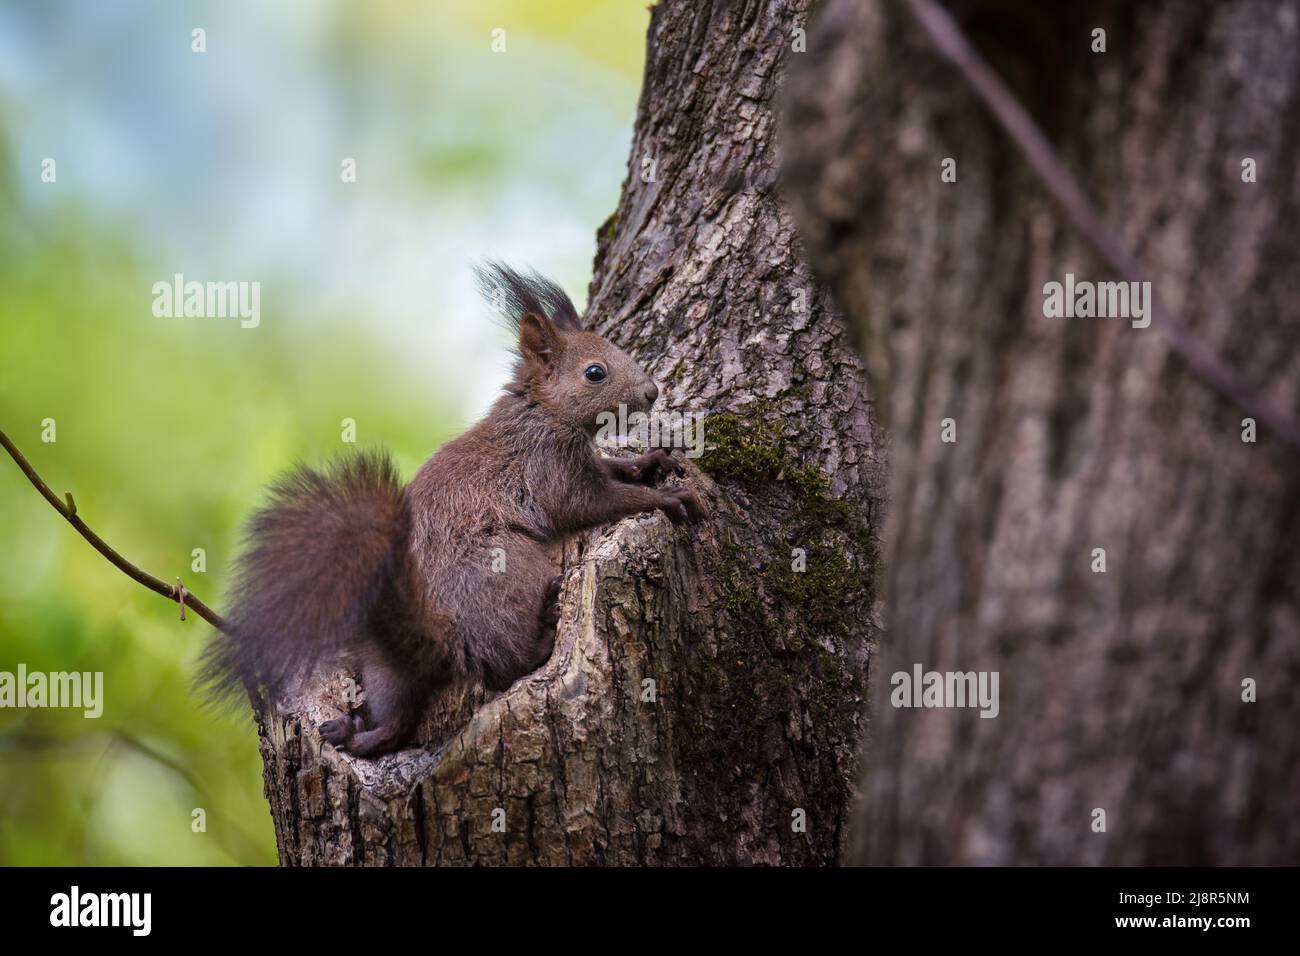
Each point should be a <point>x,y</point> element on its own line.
<point>754,627</point>
<point>1120,691</point>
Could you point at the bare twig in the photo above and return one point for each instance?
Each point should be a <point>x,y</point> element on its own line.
<point>948,38</point>
<point>176,593</point>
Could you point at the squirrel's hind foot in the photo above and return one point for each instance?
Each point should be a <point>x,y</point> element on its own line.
<point>348,734</point>
<point>550,616</point>
<point>338,732</point>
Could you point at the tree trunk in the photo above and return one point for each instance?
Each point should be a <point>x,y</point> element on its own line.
<point>705,700</point>
<point>1121,690</point>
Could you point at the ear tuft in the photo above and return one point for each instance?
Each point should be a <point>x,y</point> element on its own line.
<point>515,295</point>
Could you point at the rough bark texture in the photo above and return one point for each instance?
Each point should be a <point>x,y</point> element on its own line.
<point>1119,690</point>
<point>754,627</point>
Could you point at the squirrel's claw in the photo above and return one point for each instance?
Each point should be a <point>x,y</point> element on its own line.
<point>658,464</point>
<point>671,465</point>
<point>682,507</point>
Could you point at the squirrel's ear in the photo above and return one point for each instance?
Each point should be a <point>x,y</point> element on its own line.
<point>539,341</point>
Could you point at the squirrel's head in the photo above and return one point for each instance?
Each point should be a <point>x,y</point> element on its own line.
<point>572,373</point>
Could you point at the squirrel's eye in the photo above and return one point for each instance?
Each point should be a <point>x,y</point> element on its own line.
<point>594,373</point>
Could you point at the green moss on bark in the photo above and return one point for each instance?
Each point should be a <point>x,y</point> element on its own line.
<point>746,450</point>
<point>817,580</point>
<point>605,234</point>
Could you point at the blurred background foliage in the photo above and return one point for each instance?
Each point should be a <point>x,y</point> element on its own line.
<point>226,166</point>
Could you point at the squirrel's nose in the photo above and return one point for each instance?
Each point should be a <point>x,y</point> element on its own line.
<point>651,392</point>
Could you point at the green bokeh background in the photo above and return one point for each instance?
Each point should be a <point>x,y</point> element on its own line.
<point>225,166</point>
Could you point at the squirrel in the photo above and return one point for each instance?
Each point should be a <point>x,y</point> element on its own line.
<point>407,582</point>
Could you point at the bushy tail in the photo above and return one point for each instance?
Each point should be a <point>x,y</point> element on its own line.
<point>316,561</point>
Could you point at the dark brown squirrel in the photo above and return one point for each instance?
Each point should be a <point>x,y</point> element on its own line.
<point>408,582</point>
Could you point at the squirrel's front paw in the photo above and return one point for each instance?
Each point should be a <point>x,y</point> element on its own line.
<point>681,506</point>
<point>647,469</point>
<point>658,464</point>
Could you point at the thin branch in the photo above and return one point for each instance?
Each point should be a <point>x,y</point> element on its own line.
<point>948,38</point>
<point>176,592</point>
